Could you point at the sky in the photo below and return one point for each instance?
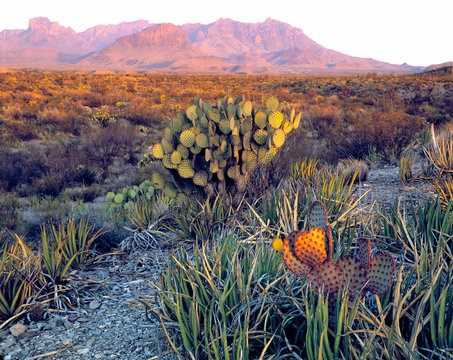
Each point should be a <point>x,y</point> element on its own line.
<point>417,32</point>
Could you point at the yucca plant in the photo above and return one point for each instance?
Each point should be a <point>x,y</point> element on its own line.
<point>20,279</point>
<point>440,153</point>
<point>201,219</point>
<point>406,165</point>
<point>147,219</point>
<point>442,186</point>
<point>219,298</point>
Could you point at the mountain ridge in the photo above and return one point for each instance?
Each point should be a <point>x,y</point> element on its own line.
<point>224,46</point>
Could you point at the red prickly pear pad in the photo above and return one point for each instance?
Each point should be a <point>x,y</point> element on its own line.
<point>364,251</point>
<point>354,275</point>
<point>326,277</point>
<point>290,259</point>
<point>310,247</point>
<point>381,273</point>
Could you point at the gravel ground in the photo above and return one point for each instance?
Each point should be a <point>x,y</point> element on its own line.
<point>107,324</point>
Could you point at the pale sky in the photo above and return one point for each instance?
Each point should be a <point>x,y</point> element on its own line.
<point>418,32</point>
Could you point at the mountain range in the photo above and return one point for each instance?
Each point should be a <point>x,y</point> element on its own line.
<point>224,46</point>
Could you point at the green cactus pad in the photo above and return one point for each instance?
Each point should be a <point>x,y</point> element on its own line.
<point>278,138</point>
<point>275,119</point>
<point>181,199</point>
<point>191,112</point>
<point>224,126</point>
<point>200,178</point>
<point>246,125</point>
<point>271,103</point>
<point>326,277</point>
<point>206,106</point>
<point>202,140</point>
<point>195,149</point>
<point>185,169</point>
<point>168,133</point>
<point>247,108</point>
<point>166,161</point>
<point>354,275</point>
<point>214,115</point>
<point>317,217</point>
<point>183,151</point>
<point>261,119</point>
<point>110,196</point>
<point>187,138</point>
<point>380,273</point>
<point>207,155</point>
<point>151,190</point>
<point>231,111</point>
<point>132,194</point>
<point>364,252</point>
<point>158,180</point>
<point>175,157</point>
<point>260,136</point>
<point>177,124</point>
<point>290,259</point>
<point>269,156</point>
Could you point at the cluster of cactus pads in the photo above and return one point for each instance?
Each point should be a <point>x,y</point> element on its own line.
<point>217,146</point>
<point>309,254</point>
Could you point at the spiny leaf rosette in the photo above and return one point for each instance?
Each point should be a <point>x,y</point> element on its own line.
<point>216,146</point>
<point>309,254</point>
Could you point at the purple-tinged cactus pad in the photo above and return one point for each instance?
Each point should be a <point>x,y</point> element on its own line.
<point>326,277</point>
<point>290,259</point>
<point>380,273</point>
<point>317,218</point>
<point>364,251</point>
<point>354,275</point>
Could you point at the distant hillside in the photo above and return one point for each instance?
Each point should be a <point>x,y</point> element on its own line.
<point>441,69</point>
<point>225,46</point>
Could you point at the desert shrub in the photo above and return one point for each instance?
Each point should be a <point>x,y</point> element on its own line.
<point>10,211</point>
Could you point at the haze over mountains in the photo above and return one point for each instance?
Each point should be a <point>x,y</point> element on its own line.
<point>225,46</point>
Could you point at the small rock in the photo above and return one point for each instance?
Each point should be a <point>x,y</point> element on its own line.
<point>73,318</point>
<point>90,342</point>
<point>83,320</point>
<point>10,341</point>
<point>66,342</point>
<point>83,351</point>
<point>94,305</point>
<point>114,268</point>
<point>18,329</point>
<point>31,334</point>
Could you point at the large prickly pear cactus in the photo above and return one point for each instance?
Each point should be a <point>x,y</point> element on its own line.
<point>216,146</point>
<point>309,254</point>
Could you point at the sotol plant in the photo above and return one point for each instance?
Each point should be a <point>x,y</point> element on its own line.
<point>217,146</point>
<point>309,254</point>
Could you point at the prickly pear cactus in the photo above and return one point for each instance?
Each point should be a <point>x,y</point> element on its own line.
<point>309,254</point>
<point>216,146</point>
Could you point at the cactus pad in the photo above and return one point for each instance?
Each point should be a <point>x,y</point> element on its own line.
<point>202,140</point>
<point>309,247</point>
<point>364,252</point>
<point>185,169</point>
<point>317,217</point>
<point>158,151</point>
<point>297,121</point>
<point>260,136</point>
<point>261,119</point>
<point>272,103</point>
<point>158,180</point>
<point>326,277</point>
<point>275,119</point>
<point>183,151</point>
<point>187,138</point>
<point>354,275</point>
<point>289,258</point>
<point>278,138</point>
<point>200,178</point>
<point>380,273</point>
<point>191,112</point>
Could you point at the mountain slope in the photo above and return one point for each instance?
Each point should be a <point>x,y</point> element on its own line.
<point>153,48</point>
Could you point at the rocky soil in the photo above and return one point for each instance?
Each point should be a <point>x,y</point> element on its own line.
<point>106,322</point>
